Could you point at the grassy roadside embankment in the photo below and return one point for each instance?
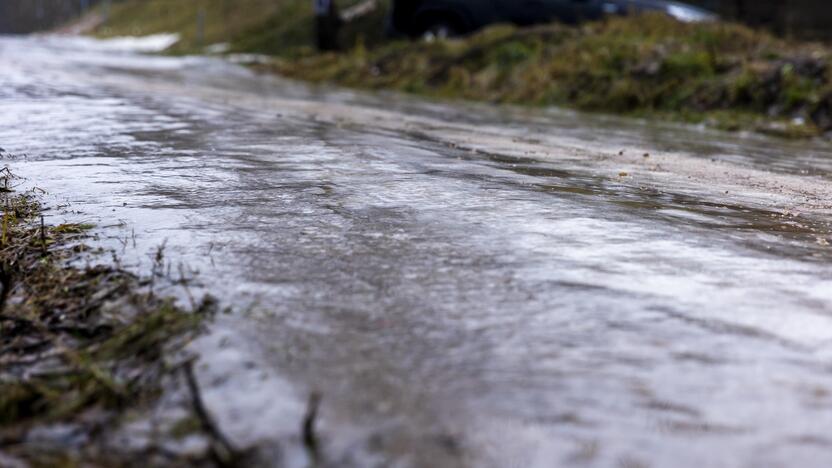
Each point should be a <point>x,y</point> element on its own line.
<point>85,351</point>
<point>724,75</point>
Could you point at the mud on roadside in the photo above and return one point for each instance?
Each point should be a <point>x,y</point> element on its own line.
<point>94,369</point>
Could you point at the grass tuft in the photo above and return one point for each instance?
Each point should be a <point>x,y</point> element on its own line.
<point>79,347</point>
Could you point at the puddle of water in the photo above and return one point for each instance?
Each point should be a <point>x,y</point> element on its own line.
<point>482,293</point>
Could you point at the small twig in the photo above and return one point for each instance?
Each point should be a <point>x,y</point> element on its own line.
<point>6,284</point>
<point>223,452</point>
<point>4,237</point>
<point>310,436</point>
<point>184,282</point>
<point>18,320</point>
<point>43,235</point>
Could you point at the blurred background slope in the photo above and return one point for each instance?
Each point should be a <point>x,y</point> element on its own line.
<point>277,27</point>
<point>257,23</point>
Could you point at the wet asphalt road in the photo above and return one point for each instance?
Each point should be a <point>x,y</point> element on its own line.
<point>464,285</point>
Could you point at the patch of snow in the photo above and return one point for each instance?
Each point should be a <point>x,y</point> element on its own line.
<point>146,44</point>
<point>152,43</point>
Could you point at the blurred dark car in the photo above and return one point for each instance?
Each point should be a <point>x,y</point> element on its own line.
<point>444,18</point>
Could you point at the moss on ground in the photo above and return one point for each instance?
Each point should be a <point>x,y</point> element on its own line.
<point>82,350</point>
